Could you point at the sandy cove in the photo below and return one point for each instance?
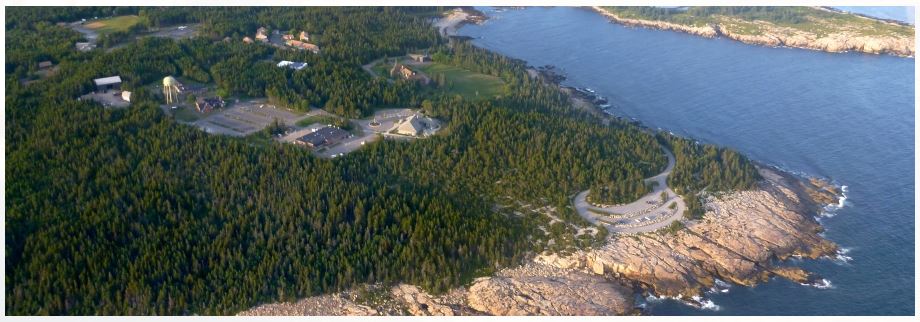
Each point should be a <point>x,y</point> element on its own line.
<point>785,37</point>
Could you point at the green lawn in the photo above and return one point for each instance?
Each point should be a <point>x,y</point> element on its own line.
<point>120,23</point>
<point>463,82</point>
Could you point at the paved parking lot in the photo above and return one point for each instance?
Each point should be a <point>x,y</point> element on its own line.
<point>175,32</point>
<point>110,98</point>
<point>248,117</point>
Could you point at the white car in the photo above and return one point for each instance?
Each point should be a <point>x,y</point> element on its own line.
<point>174,107</point>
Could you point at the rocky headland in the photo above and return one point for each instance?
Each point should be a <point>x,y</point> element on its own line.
<point>745,238</point>
<point>841,40</point>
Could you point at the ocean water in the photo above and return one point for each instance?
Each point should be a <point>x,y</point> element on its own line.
<point>905,14</point>
<point>845,117</point>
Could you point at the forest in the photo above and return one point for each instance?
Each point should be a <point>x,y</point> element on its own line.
<point>126,211</point>
<point>706,168</point>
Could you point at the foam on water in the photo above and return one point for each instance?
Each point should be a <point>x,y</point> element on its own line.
<point>720,287</point>
<point>842,256</point>
<point>822,284</point>
<point>706,304</point>
<point>694,301</point>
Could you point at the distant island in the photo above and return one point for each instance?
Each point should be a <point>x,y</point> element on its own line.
<point>815,28</point>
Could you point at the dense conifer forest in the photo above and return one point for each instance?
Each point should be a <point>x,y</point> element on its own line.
<point>126,211</point>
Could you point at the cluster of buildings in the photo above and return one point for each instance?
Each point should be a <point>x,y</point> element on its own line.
<point>323,137</point>
<point>301,41</point>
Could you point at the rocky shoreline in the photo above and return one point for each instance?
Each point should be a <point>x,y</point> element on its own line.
<point>745,239</point>
<point>784,37</point>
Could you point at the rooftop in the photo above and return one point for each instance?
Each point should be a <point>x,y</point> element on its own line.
<point>107,80</point>
<point>323,136</point>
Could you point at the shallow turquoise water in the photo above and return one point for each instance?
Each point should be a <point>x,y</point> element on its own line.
<point>846,117</point>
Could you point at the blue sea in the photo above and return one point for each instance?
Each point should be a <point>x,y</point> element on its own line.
<point>845,117</point>
<point>904,14</point>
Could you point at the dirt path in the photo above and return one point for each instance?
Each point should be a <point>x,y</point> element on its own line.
<point>648,213</point>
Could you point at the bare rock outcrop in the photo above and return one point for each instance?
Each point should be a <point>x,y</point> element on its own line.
<point>419,302</point>
<point>537,289</point>
<point>329,304</point>
<point>742,235</point>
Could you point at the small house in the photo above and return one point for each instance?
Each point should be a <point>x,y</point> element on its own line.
<point>303,36</point>
<point>400,70</point>
<point>262,34</point>
<point>247,40</point>
<point>45,65</point>
<point>126,96</point>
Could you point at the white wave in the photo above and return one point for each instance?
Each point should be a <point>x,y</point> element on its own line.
<point>719,287</point>
<point>706,304</point>
<point>829,210</point>
<point>822,284</point>
<point>652,298</point>
<point>842,255</point>
<point>843,197</point>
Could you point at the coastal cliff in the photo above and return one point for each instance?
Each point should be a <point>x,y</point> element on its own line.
<point>745,238</point>
<point>768,34</point>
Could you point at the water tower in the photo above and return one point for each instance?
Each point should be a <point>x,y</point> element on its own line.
<point>171,89</point>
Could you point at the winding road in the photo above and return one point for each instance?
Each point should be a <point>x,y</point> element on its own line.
<point>646,214</point>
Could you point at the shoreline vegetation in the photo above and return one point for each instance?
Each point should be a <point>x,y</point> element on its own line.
<point>475,218</point>
<point>813,28</point>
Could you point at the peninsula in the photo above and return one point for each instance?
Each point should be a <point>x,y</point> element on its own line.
<point>815,28</point>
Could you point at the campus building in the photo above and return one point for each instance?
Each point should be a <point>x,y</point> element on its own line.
<point>107,83</point>
<point>323,137</point>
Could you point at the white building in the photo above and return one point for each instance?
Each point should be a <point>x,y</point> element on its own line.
<point>292,65</point>
<point>412,125</point>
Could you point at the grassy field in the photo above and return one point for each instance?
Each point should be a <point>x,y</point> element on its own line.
<point>463,82</point>
<point>120,23</point>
